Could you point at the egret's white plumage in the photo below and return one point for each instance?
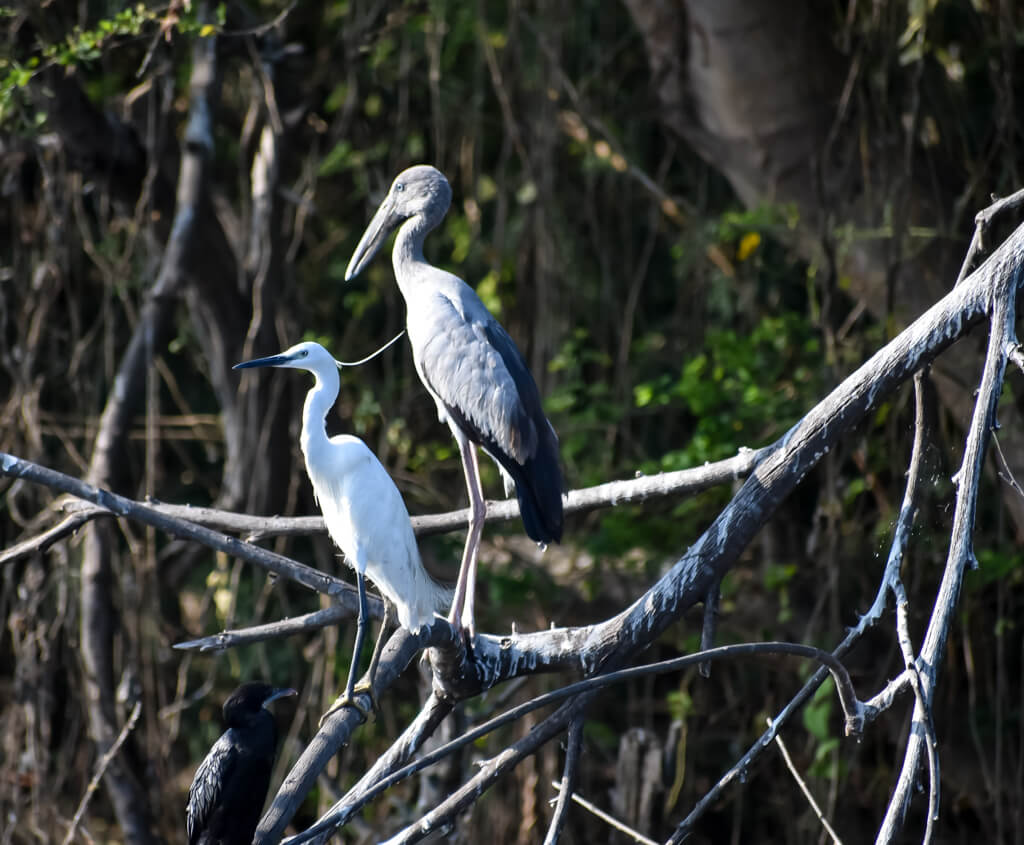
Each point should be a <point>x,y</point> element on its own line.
<point>362,508</point>
<point>472,369</point>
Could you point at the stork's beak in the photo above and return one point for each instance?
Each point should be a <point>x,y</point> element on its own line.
<point>382,225</point>
<point>283,692</point>
<point>271,361</point>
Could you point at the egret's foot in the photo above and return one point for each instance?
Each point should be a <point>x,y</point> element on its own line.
<point>347,699</point>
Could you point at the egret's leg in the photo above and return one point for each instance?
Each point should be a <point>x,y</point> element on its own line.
<point>347,698</point>
<point>462,611</point>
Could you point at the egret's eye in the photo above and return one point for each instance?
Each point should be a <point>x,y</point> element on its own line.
<point>304,353</point>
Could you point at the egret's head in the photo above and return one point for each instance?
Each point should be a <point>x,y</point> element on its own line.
<point>303,356</point>
<point>420,190</point>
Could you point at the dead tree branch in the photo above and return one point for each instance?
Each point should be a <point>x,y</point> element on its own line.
<point>687,482</point>
<point>961,551</point>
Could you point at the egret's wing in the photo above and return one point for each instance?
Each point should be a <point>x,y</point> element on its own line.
<point>205,792</point>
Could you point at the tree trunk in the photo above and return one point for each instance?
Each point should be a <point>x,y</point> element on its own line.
<point>805,139</point>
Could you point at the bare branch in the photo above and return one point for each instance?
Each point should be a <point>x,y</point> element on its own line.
<point>568,784</point>
<point>687,482</point>
<point>982,221</point>
<point>961,553</point>
<point>608,819</point>
<point>271,631</point>
<point>890,578</point>
<point>121,506</point>
<point>337,730</point>
<point>580,693</point>
<point>804,788</point>
<point>101,768</point>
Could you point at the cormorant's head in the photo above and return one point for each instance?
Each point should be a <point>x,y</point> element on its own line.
<point>246,702</point>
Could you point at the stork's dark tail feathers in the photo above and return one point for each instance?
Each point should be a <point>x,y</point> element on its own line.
<point>539,490</point>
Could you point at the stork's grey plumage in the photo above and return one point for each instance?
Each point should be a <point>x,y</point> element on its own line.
<point>466,360</point>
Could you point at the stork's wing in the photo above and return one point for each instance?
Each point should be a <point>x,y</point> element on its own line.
<point>468,361</point>
<point>205,793</point>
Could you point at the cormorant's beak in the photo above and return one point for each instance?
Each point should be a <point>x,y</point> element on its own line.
<point>382,225</point>
<point>271,361</point>
<point>282,692</point>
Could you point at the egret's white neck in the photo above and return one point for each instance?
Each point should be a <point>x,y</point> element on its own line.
<point>319,401</point>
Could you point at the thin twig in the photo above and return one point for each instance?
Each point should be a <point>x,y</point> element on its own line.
<point>105,761</point>
<point>607,818</point>
<point>982,221</point>
<point>1006,473</point>
<point>800,782</point>
<point>565,789</point>
<point>707,631</point>
<point>323,618</point>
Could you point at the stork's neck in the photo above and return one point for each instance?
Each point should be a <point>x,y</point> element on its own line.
<point>319,401</point>
<point>407,253</point>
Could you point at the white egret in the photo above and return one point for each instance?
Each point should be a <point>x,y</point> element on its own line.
<point>363,511</point>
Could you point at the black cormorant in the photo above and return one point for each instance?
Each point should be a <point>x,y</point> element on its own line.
<point>230,786</point>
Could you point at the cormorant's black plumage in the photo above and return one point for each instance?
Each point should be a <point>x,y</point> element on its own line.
<point>230,785</point>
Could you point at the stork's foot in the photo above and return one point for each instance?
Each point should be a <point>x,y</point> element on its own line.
<point>350,699</point>
<point>466,633</point>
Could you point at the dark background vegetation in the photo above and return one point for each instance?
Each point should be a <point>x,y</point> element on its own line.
<point>695,218</point>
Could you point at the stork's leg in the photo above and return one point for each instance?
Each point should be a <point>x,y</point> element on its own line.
<point>347,698</point>
<point>371,673</point>
<point>462,605</point>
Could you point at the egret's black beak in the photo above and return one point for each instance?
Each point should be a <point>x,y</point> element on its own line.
<point>271,361</point>
<point>382,225</point>
<point>282,692</point>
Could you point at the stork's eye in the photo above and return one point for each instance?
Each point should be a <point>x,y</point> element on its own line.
<point>304,353</point>
<point>399,188</point>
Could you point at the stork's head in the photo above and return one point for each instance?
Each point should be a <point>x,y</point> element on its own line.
<point>418,191</point>
<point>303,356</point>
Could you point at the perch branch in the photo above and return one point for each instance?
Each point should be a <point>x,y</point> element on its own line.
<point>336,731</point>
<point>686,482</point>
<point>120,506</point>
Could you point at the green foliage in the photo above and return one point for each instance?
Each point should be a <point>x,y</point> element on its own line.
<point>743,390</point>
<point>83,46</point>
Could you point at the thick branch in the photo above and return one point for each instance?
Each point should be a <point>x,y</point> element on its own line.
<point>581,691</point>
<point>337,730</point>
